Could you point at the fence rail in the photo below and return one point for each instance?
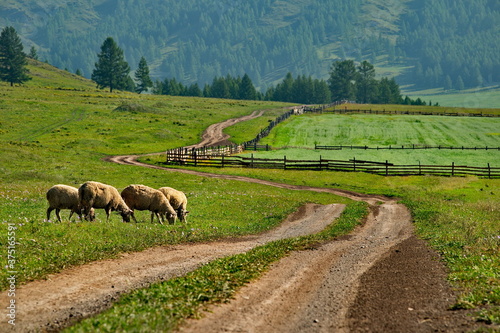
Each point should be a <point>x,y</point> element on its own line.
<point>221,156</point>
<point>345,110</point>
<point>380,168</point>
<point>341,147</point>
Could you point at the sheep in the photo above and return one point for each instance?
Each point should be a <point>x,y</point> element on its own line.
<point>178,201</point>
<point>97,195</point>
<point>142,197</point>
<point>64,197</point>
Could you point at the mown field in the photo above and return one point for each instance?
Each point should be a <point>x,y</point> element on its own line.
<point>58,127</point>
<point>297,137</point>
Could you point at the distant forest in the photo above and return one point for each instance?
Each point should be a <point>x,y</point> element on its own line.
<point>442,43</point>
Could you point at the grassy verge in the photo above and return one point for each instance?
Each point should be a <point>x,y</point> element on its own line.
<point>161,307</point>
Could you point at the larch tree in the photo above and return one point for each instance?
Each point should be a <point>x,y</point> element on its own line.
<point>111,69</point>
<point>142,77</point>
<point>12,58</point>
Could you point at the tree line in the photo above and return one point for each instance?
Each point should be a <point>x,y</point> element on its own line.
<point>347,81</point>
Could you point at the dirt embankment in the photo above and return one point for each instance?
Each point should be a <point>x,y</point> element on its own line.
<point>380,278</point>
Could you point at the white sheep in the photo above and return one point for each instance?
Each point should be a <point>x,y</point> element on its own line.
<point>142,197</point>
<point>98,195</point>
<point>64,197</point>
<point>178,201</point>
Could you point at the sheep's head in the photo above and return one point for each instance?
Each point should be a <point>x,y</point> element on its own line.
<point>182,215</point>
<point>91,214</point>
<point>171,217</point>
<point>126,215</point>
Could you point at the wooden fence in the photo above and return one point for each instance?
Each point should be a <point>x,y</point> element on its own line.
<point>380,168</point>
<point>319,147</point>
<point>326,109</point>
<point>221,156</point>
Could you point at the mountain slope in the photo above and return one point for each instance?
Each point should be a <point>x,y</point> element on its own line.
<point>196,40</point>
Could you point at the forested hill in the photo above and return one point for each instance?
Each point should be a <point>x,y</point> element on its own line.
<point>427,43</point>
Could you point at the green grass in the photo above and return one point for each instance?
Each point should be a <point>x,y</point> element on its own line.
<point>163,306</point>
<point>486,97</point>
<point>383,131</point>
<point>457,216</point>
<point>59,134</point>
<point>57,129</point>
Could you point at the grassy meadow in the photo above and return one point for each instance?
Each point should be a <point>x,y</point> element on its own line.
<point>53,134</point>
<point>296,138</point>
<point>58,127</point>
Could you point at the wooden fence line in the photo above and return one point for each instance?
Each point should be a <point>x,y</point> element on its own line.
<point>340,147</point>
<point>324,109</point>
<point>381,168</point>
<point>221,156</point>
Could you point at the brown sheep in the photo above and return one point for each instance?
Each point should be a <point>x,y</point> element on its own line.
<point>178,201</point>
<point>64,197</point>
<point>97,195</point>
<point>142,197</point>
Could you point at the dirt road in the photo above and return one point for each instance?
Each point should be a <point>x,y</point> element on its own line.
<point>381,278</point>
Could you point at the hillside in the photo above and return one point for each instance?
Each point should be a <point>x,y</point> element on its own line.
<point>426,44</point>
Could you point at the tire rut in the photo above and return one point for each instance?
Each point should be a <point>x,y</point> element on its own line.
<point>308,291</point>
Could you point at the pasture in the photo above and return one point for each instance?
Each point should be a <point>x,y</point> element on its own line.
<point>58,127</point>
<point>296,138</point>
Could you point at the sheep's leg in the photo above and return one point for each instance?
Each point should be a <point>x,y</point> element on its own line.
<point>133,217</point>
<point>71,214</point>
<point>57,214</point>
<point>107,209</point>
<point>48,212</point>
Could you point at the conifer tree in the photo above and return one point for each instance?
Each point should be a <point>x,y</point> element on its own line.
<point>366,84</point>
<point>247,89</point>
<point>111,70</point>
<point>142,76</point>
<point>33,53</point>
<point>342,78</point>
<point>12,58</point>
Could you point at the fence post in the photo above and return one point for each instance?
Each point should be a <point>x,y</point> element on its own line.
<point>489,171</point>
<point>284,162</point>
<point>452,169</point>
<point>222,160</point>
<point>419,168</point>
<point>354,163</point>
<point>386,168</point>
<point>251,162</point>
<point>195,161</point>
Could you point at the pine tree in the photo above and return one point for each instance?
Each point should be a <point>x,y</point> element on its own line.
<point>111,70</point>
<point>12,58</point>
<point>247,89</point>
<point>366,84</point>
<point>342,77</point>
<point>142,76</point>
<point>33,53</point>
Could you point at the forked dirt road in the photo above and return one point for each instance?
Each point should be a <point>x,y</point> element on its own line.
<point>380,278</point>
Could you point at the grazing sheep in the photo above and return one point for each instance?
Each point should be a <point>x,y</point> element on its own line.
<point>64,197</point>
<point>177,200</point>
<point>98,195</point>
<point>142,197</point>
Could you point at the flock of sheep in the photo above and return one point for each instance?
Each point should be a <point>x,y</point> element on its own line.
<point>165,202</point>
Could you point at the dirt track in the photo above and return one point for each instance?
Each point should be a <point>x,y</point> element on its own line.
<point>381,278</point>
